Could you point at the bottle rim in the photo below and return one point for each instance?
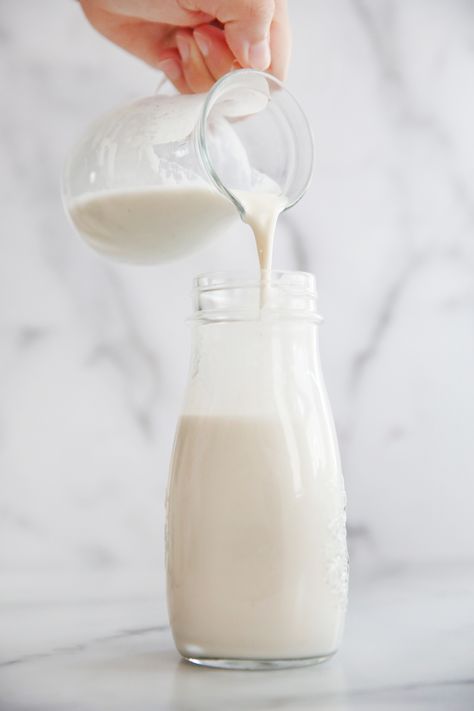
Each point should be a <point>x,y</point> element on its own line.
<point>242,296</point>
<point>207,281</point>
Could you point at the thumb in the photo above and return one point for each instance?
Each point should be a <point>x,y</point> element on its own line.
<point>246,26</point>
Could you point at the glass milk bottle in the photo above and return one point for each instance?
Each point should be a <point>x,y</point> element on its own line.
<point>256,544</point>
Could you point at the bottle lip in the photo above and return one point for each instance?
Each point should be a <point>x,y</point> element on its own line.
<point>303,282</point>
<point>242,296</point>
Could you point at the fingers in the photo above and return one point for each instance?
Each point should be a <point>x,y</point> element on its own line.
<point>195,71</point>
<point>170,12</point>
<point>170,64</point>
<point>201,57</point>
<point>254,33</point>
<point>280,40</point>
<point>215,50</point>
<point>246,25</point>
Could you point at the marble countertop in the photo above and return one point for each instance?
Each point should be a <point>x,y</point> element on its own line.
<point>409,643</point>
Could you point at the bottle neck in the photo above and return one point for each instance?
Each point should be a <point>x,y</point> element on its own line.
<point>249,367</point>
<point>248,357</point>
<point>280,296</point>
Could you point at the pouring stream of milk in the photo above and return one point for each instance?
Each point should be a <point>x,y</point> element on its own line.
<point>261,214</point>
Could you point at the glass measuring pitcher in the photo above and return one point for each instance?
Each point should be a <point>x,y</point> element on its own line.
<point>154,180</point>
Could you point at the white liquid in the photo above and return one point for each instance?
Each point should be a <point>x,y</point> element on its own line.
<point>256,551</point>
<point>261,214</point>
<point>150,225</point>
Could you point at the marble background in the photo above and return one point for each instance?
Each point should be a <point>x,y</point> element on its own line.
<point>93,356</point>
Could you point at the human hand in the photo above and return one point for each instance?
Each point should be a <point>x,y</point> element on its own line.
<point>194,42</point>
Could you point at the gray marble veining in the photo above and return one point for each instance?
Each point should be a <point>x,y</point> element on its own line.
<point>409,643</point>
<point>94,355</point>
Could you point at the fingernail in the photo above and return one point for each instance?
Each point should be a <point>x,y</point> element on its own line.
<point>259,55</point>
<point>183,47</point>
<point>171,68</point>
<point>202,43</point>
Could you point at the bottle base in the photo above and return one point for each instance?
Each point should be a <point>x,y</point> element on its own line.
<point>256,664</point>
